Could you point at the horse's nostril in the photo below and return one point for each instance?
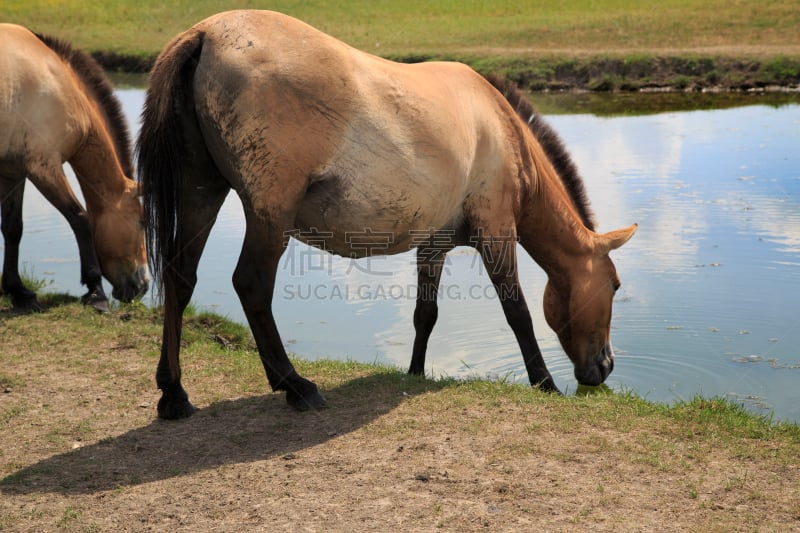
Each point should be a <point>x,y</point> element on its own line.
<point>606,362</point>
<point>607,354</point>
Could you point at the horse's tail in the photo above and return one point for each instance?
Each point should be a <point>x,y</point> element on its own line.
<point>161,148</point>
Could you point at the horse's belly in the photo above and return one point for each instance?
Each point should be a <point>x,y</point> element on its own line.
<point>370,218</point>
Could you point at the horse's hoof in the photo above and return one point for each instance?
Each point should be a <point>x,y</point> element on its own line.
<point>547,385</point>
<point>30,305</point>
<point>305,400</point>
<point>25,300</point>
<point>175,408</point>
<point>96,299</point>
<point>101,306</point>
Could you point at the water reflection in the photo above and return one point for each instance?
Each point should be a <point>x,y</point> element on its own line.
<point>710,286</point>
<point>709,302</point>
<point>649,103</point>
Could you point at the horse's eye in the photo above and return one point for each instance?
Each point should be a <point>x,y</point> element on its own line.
<point>617,285</point>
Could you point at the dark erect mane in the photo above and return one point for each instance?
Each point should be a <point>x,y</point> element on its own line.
<point>552,146</point>
<point>96,81</point>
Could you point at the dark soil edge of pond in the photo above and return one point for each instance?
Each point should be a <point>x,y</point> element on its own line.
<point>599,74</point>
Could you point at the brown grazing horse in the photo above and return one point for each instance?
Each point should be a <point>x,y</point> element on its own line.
<point>322,141</point>
<point>56,105</point>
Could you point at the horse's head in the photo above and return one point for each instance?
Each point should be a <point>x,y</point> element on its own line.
<point>577,306</point>
<point>119,244</point>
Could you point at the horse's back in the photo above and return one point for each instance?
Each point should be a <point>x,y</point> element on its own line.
<point>36,93</point>
<point>376,144</point>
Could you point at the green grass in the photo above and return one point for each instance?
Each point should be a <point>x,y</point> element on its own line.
<point>442,28</point>
<point>610,45</point>
<point>224,345</point>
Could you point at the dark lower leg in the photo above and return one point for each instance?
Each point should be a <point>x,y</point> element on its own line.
<point>426,312</point>
<point>174,402</point>
<point>58,192</point>
<point>500,259</point>
<point>90,266</point>
<point>519,319</point>
<point>11,193</point>
<point>179,279</point>
<point>254,281</point>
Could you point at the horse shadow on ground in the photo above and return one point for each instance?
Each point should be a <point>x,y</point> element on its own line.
<point>226,432</point>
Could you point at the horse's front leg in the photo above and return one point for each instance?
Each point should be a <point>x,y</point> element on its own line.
<point>54,187</point>
<point>11,193</point>
<point>429,271</point>
<point>499,257</point>
<point>519,319</point>
<point>254,281</point>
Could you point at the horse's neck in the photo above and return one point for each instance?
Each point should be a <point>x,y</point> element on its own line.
<point>97,167</point>
<point>550,229</point>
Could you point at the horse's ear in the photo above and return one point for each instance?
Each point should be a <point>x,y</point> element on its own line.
<point>614,239</point>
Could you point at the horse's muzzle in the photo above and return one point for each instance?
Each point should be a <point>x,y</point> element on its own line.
<point>597,371</point>
<point>134,287</point>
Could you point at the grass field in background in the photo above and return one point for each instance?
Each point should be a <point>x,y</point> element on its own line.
<point>457,28</point>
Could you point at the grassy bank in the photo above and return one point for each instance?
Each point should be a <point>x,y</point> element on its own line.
<point>613,44</point>
<point>82,450</point>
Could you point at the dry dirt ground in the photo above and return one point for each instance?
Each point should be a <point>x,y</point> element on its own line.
<point>81,450</point>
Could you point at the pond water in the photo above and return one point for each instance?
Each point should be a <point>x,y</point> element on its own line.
<point>710,302</point>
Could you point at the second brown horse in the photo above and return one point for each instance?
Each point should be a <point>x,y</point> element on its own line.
<point>57,106</point>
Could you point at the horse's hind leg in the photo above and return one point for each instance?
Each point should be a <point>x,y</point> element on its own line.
<point>54,187</point>
<point>500,258</point>
<point>199,208</point>
<point>11,193</point>
<point>429,271</point>
<point>254,281</point>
